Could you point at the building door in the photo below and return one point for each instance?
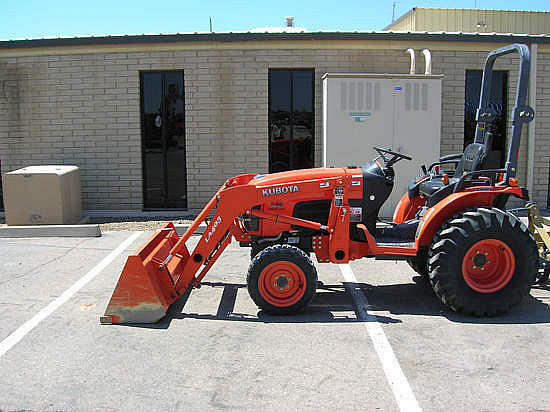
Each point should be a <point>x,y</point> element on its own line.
<point>291,121</point>
<point>1,190</point>
<point>498,101</point>
<point>163,140</point>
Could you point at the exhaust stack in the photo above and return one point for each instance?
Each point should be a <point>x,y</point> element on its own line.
<point>413,63</point>
<point>428,60</point>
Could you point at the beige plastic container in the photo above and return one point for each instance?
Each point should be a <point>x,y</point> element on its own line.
<point>42,195</point>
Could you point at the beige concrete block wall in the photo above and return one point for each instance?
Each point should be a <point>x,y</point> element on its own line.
<point>542,125</point>
<point>80,110</point>
<point>85,110</point>
<point>227,106</point>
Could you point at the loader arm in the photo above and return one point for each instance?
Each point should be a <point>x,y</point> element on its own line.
<point>163,268</point>
<point>228,203</point>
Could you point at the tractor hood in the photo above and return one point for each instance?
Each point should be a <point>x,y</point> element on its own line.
<point>296,176</point>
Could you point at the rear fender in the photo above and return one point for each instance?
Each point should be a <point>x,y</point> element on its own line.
<point>406,208</point>
<point>434,218</point>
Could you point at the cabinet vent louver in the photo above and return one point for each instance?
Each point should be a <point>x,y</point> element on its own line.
<point>416,97</point>
<point>359,96</point>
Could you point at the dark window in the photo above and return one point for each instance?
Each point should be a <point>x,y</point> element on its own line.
<point>498,101</point>
<point>291,135</point>
<point>1,190</point>
<point>163,140</point>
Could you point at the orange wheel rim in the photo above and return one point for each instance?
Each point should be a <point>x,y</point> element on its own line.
<point>488,265</point>
<point>282,284</point>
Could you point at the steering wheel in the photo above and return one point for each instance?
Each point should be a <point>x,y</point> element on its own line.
<point>396,157</point>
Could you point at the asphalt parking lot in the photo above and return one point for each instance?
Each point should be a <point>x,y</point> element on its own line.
<point>382,342</point>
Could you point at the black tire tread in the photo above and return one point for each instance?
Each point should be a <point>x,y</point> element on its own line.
<point>256,248</point>
<point>420,266</point>
<point>449,245</point>
<point>275,253</point>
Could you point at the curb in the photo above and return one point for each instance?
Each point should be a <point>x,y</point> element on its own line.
<point>181,229</point>
<point>84,230</point>
<point>50,231</point>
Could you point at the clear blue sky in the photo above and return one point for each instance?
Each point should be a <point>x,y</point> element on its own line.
<point>41,18</point>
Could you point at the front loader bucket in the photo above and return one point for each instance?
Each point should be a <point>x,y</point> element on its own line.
<point>144,291</point>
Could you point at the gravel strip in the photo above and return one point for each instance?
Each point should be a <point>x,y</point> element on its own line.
<point>129,224</point>
<point>133,224</point>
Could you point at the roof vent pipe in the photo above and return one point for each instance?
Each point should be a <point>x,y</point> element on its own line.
<point>428,59</point>
<point>413,65</point>
<point>289,21</point>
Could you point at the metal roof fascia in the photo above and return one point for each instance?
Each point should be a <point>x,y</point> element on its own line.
<point>240,37</point>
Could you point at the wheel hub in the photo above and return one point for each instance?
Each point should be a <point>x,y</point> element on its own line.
<point>488,265</point>
<point>479,259</point>
<point>282,281</point>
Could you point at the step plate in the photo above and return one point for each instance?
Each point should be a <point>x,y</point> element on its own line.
<point>404,245</point>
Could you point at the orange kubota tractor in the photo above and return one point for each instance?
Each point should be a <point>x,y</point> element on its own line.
<point>450,226</point>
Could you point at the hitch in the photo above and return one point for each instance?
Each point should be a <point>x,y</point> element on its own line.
<point>536,224</point>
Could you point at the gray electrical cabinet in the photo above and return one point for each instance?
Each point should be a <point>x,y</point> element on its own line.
<point>397,111</point>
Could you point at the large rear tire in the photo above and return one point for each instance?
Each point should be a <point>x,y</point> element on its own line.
<point>482,262</point>
<point>282,280</point>
<point>420,266</point>
<point>543,275</point>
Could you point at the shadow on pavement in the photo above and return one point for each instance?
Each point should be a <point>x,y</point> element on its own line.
<point>397,299</point>
<point>329,300</point>
<point>419,299</point>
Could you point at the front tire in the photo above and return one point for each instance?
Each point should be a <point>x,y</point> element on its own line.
<point>256,248</point>
<point>282,280</point>
<point>482,262</point>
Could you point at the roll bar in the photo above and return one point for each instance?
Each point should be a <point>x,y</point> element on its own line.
<point>521,113</point>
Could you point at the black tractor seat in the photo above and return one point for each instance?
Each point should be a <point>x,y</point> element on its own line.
<point>435,190</point>
<point>430,186</point>
<point>433,187</point>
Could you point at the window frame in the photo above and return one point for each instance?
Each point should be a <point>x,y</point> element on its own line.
<point>291,125</point>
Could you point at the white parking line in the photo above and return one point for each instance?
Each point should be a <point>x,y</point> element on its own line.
<point>400,387</point>
<point>29,325</point>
